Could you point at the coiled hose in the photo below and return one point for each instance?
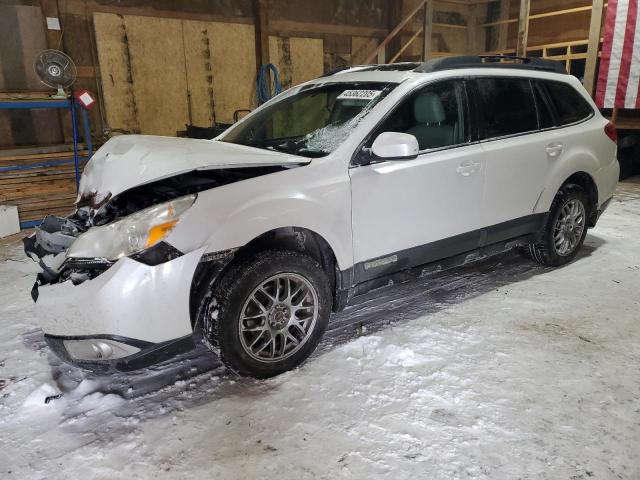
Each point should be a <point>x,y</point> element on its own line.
<point>263,88</point>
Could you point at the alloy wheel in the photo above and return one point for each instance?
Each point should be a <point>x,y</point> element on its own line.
<point>569,227</point>
<point>278,317</point>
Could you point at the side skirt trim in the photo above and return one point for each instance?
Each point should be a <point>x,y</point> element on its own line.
<point>439,255</point>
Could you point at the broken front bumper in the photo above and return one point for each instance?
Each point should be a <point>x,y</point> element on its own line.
<point>93,348</point>
<point>130,299</point>
<point>124,315</point>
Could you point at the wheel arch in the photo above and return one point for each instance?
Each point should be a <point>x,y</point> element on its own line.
<point>292,238</point>
<point>581,178</point>
<point>588,184</point>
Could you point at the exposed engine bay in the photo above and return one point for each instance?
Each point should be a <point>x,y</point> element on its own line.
<point>55,235</point>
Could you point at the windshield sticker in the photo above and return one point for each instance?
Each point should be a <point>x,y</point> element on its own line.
<point>359,95</point>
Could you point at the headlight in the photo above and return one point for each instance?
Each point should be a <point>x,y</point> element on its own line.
<point>132,234</point>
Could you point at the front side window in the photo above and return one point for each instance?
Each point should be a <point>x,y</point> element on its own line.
<point>313,122</point>
<point>435,115</point>
<point>570,106</point>
<point>507,106</point>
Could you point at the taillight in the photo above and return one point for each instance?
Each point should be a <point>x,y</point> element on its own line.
<point>611,132</point>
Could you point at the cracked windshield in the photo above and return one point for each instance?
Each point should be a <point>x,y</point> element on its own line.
<point>312,122</point>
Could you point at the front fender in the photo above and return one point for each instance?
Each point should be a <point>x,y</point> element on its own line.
<point>315,197</point>
<point>261,215</point>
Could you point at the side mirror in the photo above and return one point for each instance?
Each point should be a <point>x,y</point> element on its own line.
<point>395,146</point>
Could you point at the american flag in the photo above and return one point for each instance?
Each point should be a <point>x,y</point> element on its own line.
<point>619,73</point>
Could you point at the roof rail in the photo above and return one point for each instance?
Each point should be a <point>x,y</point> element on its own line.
<point>491,61</point>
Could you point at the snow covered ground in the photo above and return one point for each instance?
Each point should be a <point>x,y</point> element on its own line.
<point>500,370</point>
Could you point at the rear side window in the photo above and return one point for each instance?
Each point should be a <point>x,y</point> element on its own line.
<point>570,106</point>
<point>507,106</point>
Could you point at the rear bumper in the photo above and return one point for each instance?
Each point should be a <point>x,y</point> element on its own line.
<point>603,207</point>
<point>606,180</point>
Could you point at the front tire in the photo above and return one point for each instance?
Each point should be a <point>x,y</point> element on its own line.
<point>565,229</point>
<point>267,314</point>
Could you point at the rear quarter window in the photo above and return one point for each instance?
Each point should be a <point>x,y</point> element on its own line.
<point>570,106</point>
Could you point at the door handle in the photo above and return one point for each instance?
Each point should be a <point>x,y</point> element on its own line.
<point>554,149</point>
<point>467,168</point>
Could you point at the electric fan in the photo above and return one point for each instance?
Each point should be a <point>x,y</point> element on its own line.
<point>56,70</point>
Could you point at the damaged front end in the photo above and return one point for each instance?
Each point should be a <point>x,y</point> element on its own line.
<point>114,293</point>
<point>114,297</point>
<point>48,246</point>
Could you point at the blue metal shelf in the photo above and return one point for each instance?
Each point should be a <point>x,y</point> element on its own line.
<point>61,103</point>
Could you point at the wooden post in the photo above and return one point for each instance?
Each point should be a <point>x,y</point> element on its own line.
<point>593,46</point>
<point>472,29</point>
<point>394,17</point>
<point>54,42</point>
<point>523,28</point>
<point>427,29</point>
<point>261,12</point>
<point>50,10</point>
<point>614,115</point>
<point>503,28</point>
<point>380,51</point>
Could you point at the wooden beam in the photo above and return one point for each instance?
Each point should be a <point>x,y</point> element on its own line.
<point>472,30</point>
<point>427,29</point>
<point>289,26</point>
<point>448,25</point>
<point>503,29</point>
<point>406,45</point>
<point>593,46</point>
<point>84,7</point>
<point>383,45</point>
<point>536,16</point>
<point>50,10</point>
<point>261,13</point>
<point>54,41</point>
<point>467,2</point>
<point>523,28</point>
<point>394,16</point>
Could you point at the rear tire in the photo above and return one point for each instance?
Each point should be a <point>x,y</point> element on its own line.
<point>565,229</point>
<point>267,314</point>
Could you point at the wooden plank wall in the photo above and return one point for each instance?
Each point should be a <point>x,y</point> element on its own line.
<point>21,38</point>
<point>221,64</point>
<point>449,32</point>
<point>35,189</point>
<point>155,53</point>
<point>150,66</point>
<point>298,59</point>
<point>335,22</point>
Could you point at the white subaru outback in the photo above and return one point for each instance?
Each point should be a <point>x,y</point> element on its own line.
<point>334,187</point>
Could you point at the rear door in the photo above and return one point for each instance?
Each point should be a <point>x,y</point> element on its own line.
<point>517,152</point>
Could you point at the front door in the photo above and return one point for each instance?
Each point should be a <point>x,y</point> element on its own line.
<point>409,212</point>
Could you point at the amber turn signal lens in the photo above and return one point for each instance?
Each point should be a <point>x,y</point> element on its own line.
<point>158,232</point>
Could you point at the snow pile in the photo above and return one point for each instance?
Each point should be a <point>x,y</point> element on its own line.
<point>500,370</point>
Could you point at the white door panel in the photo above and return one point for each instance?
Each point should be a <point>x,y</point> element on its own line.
<point>402,204</point>
<point>517,169</point>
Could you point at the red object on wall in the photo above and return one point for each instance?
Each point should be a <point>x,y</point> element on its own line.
<point>619,71</point>
<point>85,98</point>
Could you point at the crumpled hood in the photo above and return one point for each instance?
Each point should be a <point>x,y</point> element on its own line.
<point>128,161</point>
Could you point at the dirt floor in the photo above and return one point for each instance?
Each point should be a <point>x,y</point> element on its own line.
<point>497,370</point>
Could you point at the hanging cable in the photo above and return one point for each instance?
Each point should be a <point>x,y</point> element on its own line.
<point>265,88</point>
